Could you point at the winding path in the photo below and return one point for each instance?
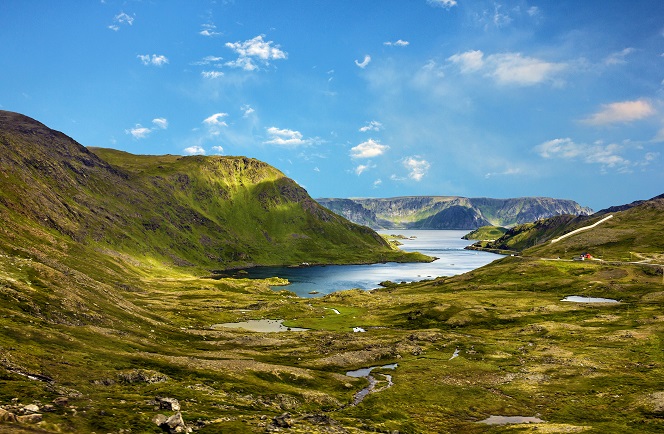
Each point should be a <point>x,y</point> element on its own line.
<point>585,228</point>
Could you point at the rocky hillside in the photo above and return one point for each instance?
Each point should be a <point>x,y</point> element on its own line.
<point>215,212</point>
<point>450,212</point>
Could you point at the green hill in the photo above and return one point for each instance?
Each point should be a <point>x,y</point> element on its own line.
<point>632,233</point>
<point>216,212</point>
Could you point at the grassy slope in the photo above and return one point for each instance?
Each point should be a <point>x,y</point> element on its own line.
<point>486,233</point>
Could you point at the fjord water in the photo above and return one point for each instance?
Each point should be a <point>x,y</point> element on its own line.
<point>446,245</point>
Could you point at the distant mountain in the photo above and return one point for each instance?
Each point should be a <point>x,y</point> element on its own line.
<point>216,212</point>
<point>449,212</point>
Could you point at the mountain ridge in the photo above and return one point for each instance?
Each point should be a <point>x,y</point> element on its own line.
<point>449,212</point>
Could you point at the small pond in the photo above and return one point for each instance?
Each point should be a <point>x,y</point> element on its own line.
<point>579,299</point>
<point>259,325</point>
<point>504,420</point>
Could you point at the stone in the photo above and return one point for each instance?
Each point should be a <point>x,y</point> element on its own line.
<point>171,404</point>
<point>6,416</point>
<point>62,401</point>
<point>159,419</point>
<point>283,421</point>
<point>30,418</point>
<point>32,408</point>
<point>175,424</point>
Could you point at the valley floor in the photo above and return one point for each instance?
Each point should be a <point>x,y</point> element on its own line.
<point>494,342</point>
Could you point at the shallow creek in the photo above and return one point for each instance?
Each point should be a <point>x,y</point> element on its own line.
<point>373,382</point>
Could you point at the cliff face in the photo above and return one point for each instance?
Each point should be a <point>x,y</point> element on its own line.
<point>450,212</point>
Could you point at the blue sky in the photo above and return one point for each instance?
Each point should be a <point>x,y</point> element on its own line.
<point>371,98</point>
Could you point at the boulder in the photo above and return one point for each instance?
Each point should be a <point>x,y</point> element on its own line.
<point>6,416</point>
<point>30,418</point>
<point>171,404</point>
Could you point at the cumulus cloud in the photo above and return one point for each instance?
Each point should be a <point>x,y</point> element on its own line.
<point>447,4</point>
<point>194,150</point>
<point>598,153</point>
<point>139,131</point>
<point>469,61</point>
<point>160,123</point>
<point>156,60</point>
<point>364,63</point>
<point>121,19</point>
<point>372,126</point>
<point>255,50</point>
<point>513,68</point>
<point>417,167</point>
<point>368,149</point>
<point>621,112</point>
<point>509,68</point>
<point>286,137</point>
<point>398,43</point>
<point>216,120</point>
<point>219,150</point>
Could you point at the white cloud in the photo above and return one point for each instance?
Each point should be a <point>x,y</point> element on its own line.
<point>368,149</point>
<point>377,183</point>
<point>194,150</point>
<point>507,172</point>
<point>285,137</point>
<point>372,126</point>
<point>509,68</point>
<point>209,60</point>
<point>469,61</point>
<point>160,123</point>
<point>417,167</point>
<point>120,19</point>
<point>219,150</point>
<point>247,110</point>
<point>209,30</point>
<point>621,112</point>
<point>398,43</point>
<point>212,74</point>
<point>156,60</point>
<point>618,57</point>
<point>364,63</point>
<point>598,153</point>
<point>215,120</point>
<point>253,50</point>
<point>363,168</point>
<point>513,68</point>
<point>139,131</point>
<point>447,4</point>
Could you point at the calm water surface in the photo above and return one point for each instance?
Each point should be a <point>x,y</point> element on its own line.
<point>445,245</point>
